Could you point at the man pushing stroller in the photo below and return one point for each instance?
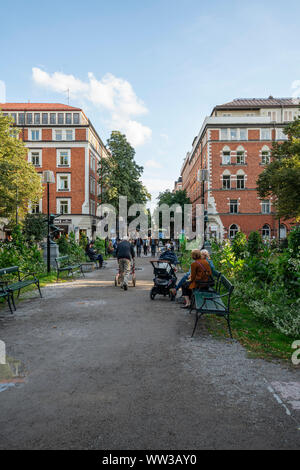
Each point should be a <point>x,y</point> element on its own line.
<point>124,254</point>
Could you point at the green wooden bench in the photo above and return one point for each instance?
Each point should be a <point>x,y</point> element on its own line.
<point>63,264</point>
<point>5,294</point>
<point>12,281</point>
<point>213,302</point>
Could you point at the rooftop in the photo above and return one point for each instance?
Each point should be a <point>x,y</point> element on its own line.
<point>37,107</point>
<point>259,102</point>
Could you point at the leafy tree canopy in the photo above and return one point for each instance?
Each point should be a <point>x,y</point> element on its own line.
<point>19,182</point>
<point>281,178</point>
<point>178,197</point>
<point>120,174</point>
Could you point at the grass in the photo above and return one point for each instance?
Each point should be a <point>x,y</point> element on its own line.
<point>260,339</point>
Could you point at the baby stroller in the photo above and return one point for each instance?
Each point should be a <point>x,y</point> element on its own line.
<point>165,279</point>
<point>169,256</point>
<point>132,273</point>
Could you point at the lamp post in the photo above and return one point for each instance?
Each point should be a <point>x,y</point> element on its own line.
<point>202,177</point>
<point>48,178</point>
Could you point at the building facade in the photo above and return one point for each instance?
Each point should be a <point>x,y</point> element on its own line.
<point>234,144</point>
<point>61,138</point>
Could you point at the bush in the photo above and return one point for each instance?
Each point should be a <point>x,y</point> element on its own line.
<point>255,243</point>
<point>294,241</point>
<point>20,252</point>
<point>35,227</point>
<point>239,245</point>
<point>69,246</point>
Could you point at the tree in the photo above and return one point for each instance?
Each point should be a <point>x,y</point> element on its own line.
<point>35,227</point>
<point>20,184</point>
<point>120,174</point>
<point>178,197</point>
<point>281,178</point>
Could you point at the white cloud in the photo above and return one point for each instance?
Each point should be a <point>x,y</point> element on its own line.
<point>153,164</point>
<point>158,184</point>
<point>2,92</point>
<point>112,94</point>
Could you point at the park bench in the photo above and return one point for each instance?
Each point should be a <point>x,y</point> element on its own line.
<point>12,282</point>
<point>63,263</point>
<point>5,294</point>
<point>213,302</point>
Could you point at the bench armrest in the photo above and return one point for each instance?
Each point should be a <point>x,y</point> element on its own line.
<point>27,274</point>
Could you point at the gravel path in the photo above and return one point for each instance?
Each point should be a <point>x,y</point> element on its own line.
<point>108,369</point>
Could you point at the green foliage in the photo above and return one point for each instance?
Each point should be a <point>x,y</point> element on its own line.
<point>20,252</point>
<point>239,245</point>
<point>120,174</point>
<point>35,227</point>
<point>266,281</point>
<point>294,240</point>
<point>100,245</point>
<point>20,184</point>
<point>69,246</point>
<point>83,241</point>
<point>255,243</point>
<point>281,177</point>
<point>169,197</point>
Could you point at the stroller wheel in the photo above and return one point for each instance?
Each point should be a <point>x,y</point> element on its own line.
<point>152,293</point>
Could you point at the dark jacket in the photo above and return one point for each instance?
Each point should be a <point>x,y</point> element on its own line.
<point>125,250</point>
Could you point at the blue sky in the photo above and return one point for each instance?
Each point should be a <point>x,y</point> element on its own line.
<point>157,67</point>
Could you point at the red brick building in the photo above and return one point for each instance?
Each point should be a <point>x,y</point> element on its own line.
<point>234,145</point>
<point>62,139</point>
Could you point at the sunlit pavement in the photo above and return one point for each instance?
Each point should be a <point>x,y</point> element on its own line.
<point>100,368</point>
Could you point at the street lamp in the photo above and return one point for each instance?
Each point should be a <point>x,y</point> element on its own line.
<point>202,177</point>
<point>48,178</point>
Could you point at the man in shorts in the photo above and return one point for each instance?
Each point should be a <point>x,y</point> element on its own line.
<point>124,253</point>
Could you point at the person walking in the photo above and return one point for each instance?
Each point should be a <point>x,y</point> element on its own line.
<point>153,247</point>
<point>139,244</point>
<point>125,253</point>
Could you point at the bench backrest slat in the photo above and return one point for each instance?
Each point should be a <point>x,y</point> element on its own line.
<point>9,270</point>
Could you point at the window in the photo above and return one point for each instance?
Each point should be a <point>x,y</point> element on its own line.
<point>63,134</point>
<point>233,134</point>
<point>14,117</point>
<point>240,182</point>
<point>265,207</point>
<point>280,135</point>
<point>69,134</point>
<point>265,157</point>
<point>35,134</point>
<point>240,157</point>
<point>68,118</point>
<point>226,158</point>
<point>233,206</point>
<point>36,159</point>
<point>58,134</point>
<point>29,118</point>
<point>226,181</point>
<point>45,118</point>
<point>226,115</point>
<point>52,118</point>
<point>63,158</point>
<point>76,118</point>
<point>224,134</point>
<point>288,115</point>
<point>243,134</point>
<point>21,118</point>
<point>92,207</point>
<point>63,182</point>
<point>266,231</point>
<point>265,134</point>
<point>35,209</point>
<point>60,118</point>
<point>233,230</point>
<point>36,118</point>
<point>92,185</point>
<point>64,206</point>
<point>93,163</point>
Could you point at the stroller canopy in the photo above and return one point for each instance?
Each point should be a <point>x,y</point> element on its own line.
<point>169,256</point>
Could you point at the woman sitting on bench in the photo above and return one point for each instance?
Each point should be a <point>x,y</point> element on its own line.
<point>93,255</point>
<point>200,273</point>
